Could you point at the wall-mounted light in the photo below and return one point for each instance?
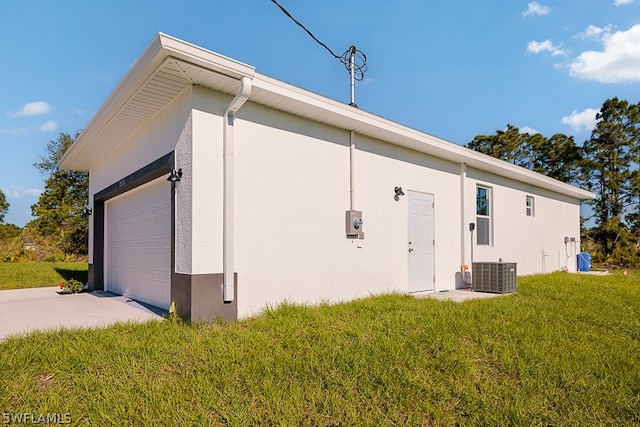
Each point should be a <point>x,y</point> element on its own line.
<point>175,176</point>
<point>399,192</point>
<point>87,211</point>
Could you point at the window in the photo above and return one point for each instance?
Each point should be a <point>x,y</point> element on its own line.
<point>483,213</point>
<point>530,209</point>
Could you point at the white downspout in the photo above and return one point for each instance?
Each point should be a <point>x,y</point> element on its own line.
<point>463,227</point>
<point>228,282</point>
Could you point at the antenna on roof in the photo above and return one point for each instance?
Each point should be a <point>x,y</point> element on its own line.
<point>357,65</point>
<point>354,60</point>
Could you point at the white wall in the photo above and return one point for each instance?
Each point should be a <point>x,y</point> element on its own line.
<point>292,191</point>
<point>169,130</point>
<point>520,238</point>
<point>207,173</point>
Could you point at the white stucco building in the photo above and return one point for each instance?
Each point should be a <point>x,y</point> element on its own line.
<point>267,174</point>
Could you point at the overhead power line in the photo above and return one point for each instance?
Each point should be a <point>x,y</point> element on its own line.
<point>286,12</point>
<point>354,60</point>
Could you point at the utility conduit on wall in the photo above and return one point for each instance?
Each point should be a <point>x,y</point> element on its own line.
<point>352,174</point>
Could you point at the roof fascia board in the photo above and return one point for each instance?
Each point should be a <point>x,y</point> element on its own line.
<point>204,58</point>
<point>160,49</point>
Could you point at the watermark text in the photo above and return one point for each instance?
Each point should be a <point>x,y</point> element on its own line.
<point>34,418</point>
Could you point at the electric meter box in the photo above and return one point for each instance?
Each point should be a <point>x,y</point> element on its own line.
<point>354,224</point>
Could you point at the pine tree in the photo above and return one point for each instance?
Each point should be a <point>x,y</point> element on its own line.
<point>557,157</point>
<point>610,171</point>
<point>507,145</point>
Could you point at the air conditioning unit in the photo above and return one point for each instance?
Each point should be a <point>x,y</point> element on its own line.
<point>496,277</point>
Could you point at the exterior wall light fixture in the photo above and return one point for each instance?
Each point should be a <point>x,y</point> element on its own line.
<point>175,176</point>
<point>399,192</point>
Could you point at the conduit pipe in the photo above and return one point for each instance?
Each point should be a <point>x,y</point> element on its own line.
<point>463,228</point>
<point>228,282</point>
<point>352,174</point>
<point>464,272</point>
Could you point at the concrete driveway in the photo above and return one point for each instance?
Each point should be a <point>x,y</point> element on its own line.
<point>26,310</point>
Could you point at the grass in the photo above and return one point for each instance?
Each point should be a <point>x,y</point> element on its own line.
<point>564,350</point>
<point>40,274</point>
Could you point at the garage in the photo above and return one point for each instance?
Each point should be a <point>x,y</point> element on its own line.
<point>138,244</point>
<point>255,212</point>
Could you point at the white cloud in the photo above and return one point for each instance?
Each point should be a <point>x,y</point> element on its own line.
<point>545,46</point>
<point>595,32</point>
<point>617,62</point>
<point>577,120</point>
<point>536,9</point>
<point>621,2</point>
<point>33,109</point>
<point>527,129</point>
<point>49,126</point>
<point>15,192</point>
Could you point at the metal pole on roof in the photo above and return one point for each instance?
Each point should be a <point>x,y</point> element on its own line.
<point>352,72</point>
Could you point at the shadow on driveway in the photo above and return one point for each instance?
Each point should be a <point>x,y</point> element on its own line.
<point>26,310</point>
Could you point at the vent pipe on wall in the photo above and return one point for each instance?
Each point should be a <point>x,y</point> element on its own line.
<point>228,284</point>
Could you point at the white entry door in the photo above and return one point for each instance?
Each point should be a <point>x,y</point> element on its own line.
<point>138,244</point>
<point>421,242</point>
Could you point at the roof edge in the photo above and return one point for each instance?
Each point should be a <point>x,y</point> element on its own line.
<point>366,123</point>
<point>200,56</point>
<point>161,47</point>
<point>164,47</point>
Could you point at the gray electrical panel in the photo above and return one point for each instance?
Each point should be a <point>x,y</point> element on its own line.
<point>354,224</point>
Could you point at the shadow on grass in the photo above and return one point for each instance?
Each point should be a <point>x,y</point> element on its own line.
<point>67,274</point>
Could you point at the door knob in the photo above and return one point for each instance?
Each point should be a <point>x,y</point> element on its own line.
<point>410,249</point>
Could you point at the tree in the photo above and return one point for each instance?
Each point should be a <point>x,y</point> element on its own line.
<point>608,164</point>
<point>557,157</point>
<point>4,206</point>
<point>610,170</point>
<point>507,145</point>
<point>9,231</point>
<point>60,209</point>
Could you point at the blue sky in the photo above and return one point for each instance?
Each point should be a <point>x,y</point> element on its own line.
<point>452,69</point>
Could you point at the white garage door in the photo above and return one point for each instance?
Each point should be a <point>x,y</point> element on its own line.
<point>138,244</point>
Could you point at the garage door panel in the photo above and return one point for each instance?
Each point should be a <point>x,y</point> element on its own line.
<point>138,239</point>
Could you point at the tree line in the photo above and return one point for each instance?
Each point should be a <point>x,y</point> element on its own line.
<point>607,163</point>
<point>59,230</point>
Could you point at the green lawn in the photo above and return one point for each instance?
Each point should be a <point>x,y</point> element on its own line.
<point>564,350</point>
<point>40,274</point>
